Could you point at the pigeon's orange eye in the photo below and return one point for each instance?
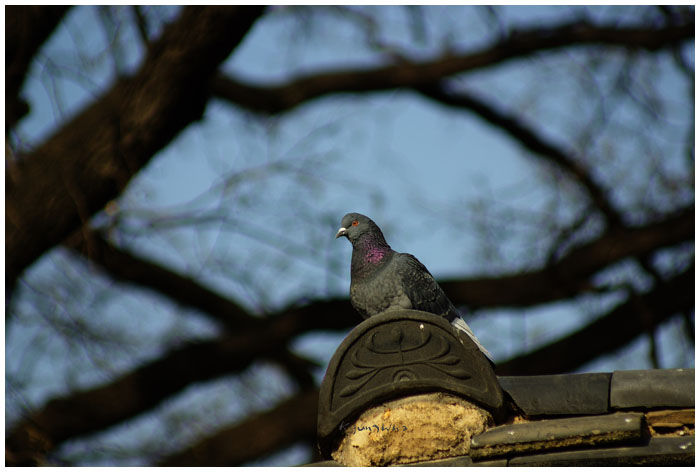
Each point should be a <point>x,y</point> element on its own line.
<point>355,223</point>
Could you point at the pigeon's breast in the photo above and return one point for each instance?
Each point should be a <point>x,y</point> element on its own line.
<point>377,295</point>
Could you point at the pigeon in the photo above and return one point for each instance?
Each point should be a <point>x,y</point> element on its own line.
<point>382,279</point>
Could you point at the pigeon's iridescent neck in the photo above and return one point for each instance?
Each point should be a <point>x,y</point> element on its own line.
<point>375,254</point>
<point>372,247</point>
<point>367,256</point>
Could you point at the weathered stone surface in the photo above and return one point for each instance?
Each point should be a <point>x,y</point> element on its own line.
<point>398,354</point>
<point>572,394</point>
<point>658,452</point>
<point>419,428</point>
<point>653,388</point>
<point>517,439</point>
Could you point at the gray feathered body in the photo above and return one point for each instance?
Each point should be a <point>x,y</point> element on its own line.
<point>398,281</point>
<point>383,280</point>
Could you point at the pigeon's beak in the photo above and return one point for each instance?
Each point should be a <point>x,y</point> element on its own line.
<point>341,232</point>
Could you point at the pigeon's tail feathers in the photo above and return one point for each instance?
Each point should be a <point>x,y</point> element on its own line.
<point>460,324</point>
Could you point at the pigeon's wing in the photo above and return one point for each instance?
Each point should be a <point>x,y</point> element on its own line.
<point>420,286</point>
<point>426,295</point>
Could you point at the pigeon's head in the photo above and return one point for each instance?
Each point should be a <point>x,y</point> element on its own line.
<point>354,225</point>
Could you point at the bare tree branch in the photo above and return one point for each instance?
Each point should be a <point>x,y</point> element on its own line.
<point>27,27</point>
<point>528,138</point>
<point>90,159</point>
<point>291,421</point>
<point>518,44</point>
<point>141,23</point>
<point>140,390</point>
<point>609,333</point>
<point>132,269</point>
<point>570,275</point>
